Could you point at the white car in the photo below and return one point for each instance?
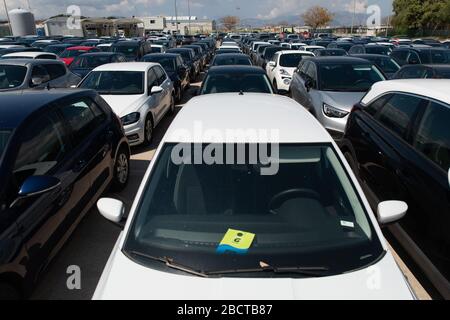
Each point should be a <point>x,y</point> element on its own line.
<point>282,66</point>
<point>140,93</point>
<point>217,216</point>
<point>30,55</point>
<point>311,48</point>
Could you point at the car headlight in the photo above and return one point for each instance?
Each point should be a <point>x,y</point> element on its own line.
<point>287,81</point>
<point>130,118</point>
<point>284,72</point>
<point>333,112</point>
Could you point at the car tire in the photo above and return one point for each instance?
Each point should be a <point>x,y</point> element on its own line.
<point>121,170</point>
<point>172,104</point>
<point>178,94</point>
<point>148,131</point>
<point>9,292</point>
<point>275,86</point>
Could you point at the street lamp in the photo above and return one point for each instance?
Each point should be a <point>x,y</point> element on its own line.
<point>176,16</point>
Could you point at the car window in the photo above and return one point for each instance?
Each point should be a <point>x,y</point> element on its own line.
<point>152,80</point>
<point>80,118</point>
<point>11,76</point>
<point>160,74</point>
<point>46,56</point>
<point>376,106</point>
<point>400,56</point>
<point>433,135</point>
<point>398,112</point>
<point>43,146</point>
<point>311,72</point>
<point>236,82</point>
<point>39,71</point>
<point>55,70</point>
<point>438,56</point>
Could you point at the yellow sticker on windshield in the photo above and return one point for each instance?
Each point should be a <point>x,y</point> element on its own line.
<point>236,241</point>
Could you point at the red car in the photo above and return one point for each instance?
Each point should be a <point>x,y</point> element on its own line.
<point>70,53</point>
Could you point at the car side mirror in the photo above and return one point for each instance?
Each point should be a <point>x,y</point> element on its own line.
<point>391,211</point>
<point>35,186</point>
<point>156,90</point>
<point>37,81</point>
<point>112,209</point>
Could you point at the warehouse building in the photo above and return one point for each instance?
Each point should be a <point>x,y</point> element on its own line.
<point>189,25</point>
<point>153,24</point>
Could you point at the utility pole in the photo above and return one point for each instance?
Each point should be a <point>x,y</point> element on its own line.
<point>353,16</point>
<point>176,16</point>
<point>189,14</point>
<point>388,23</point>
<point>7,16</point>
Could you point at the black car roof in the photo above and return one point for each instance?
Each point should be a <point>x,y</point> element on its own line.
<point>125,43</point>
<point>162,55</point>
<point>232,55</point>
<point>370,55</point>
<point>340,59</point>
<point>17,106</point>
<point>236,69</point>
<point>421,49</point>
<point>432,66</point>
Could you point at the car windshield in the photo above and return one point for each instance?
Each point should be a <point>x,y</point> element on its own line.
<point>290,60</point>
<point>225,61</point>
<point>90,62</point>
<point>348,77</point>
<point>11,76</point>
<point>126,50</point>
<point>72,53</point>
<point>306,212</point>
<point>236,82</point>
<point>115,82</point>
<point>387,65</point>
<point>4,138</point>
<point>167,63</point>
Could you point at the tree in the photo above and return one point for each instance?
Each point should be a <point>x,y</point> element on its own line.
<point>413,17</point>
<point>317,16</point>
<point>230,22</point>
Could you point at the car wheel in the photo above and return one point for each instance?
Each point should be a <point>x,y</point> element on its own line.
<point>121,169</point>
<point>172,103</point>
<point>178,94</point>
<point>148,131</point>
<point>275,86</point>
<point>9,292</point>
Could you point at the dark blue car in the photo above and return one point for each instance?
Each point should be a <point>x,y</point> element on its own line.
<point>59,151</point>
<point>86,62</point>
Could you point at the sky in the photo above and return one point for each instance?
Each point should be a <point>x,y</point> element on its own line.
<point>261,9</point>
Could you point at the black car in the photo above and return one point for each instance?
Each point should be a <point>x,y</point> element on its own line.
<point>188,56</point>
<point>58,48</point>
<point>175,68</point>
<point>59,151</point>
<point>236,79</point>
<point>132,49</point>
<point>428,71</point>
<point>344,45</point>
<point>86,62</point>
<point>329,52</point>
<point>231,59</point>
<point>398,144</point>
<point>383,62</point>
<point>370,49</point>
<point>199,53</point>
<point>428,42</point>
<point>421,56</point>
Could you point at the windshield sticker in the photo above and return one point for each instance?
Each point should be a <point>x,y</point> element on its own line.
<point>347,224</point>
<point>236,241</point>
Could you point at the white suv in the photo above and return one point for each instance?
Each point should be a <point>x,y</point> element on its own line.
<point>266,203</point>
<point>282,66</point>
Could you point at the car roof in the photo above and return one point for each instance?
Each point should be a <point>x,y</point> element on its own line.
<point>370,55</point>
<point>19,105</point>
<point>97,54</point>
<point>307,53</point>
<point>26,62</point>
<point>231,55</point>
<point>28,54</point>
<point>162,55</point>
<point>236,112</point>
<point>127,42</point>
<point>126,66</point>
<point>433,88</point>
<point>236,69</point>
<point>80,48</point>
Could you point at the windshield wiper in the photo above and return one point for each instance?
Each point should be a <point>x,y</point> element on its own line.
<point>171,264</point>
<point>264,267</point>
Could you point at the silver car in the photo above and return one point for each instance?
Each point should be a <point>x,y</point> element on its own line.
<point>23,74</point>
<point>329,87</point>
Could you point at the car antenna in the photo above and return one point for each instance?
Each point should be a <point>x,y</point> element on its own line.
<point>241,93</point>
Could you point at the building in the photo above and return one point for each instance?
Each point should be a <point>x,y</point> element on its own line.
<point>94,27</point>
<point>189,25</point>
<point>153,24</point>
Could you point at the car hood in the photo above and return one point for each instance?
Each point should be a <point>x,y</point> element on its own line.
<point>342,100</point>
<point>124,279</point>
<point>124,104</point>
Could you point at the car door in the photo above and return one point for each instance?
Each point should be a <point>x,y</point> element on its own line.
<point>311,93</point>
<point>426,178</point>
<point>165,83</point>
<point>154,101</point>
<point>45,149</point>
<point>383,141</point>
<point>297,86</point>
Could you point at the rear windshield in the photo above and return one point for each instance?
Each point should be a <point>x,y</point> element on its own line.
<point>11,76</point>
<point>90,61</point>
<point>245,82</point>
<point>290,60</point>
